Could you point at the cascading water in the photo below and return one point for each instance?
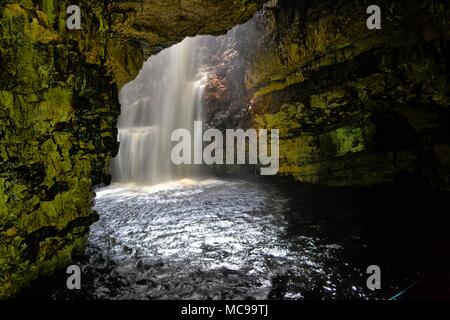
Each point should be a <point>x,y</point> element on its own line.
<point>166,95</point>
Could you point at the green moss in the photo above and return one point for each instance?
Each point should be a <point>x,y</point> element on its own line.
<point>348,140</point>
<point>285,120</point>
<point>329,100</point>
<point>48,7</point>
<point>55,107</point>
<point>6,99</point>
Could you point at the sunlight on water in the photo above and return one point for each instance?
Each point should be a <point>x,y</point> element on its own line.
<point>135,188</point>
<point>203,238</point>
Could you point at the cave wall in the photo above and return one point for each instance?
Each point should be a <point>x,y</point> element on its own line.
<point>59,107</point>
<point>354,106</point>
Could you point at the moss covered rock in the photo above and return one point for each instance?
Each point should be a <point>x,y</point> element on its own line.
<point>59,107</point>
<point>353,106</point>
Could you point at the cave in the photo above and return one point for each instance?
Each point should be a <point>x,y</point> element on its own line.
<point>87,175</point>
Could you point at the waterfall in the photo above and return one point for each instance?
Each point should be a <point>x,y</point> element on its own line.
<point>166,95</point>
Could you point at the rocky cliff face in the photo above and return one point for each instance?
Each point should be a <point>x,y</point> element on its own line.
<point>59,107</point>
<point>354,106</point>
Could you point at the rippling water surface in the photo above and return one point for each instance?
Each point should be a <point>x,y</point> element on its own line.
<point>216,239</point>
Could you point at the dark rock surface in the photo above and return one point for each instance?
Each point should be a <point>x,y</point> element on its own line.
<point>354,106</point>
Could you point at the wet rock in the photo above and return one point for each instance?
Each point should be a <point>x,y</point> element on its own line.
<point>353,106</point>
<point>58,113</point>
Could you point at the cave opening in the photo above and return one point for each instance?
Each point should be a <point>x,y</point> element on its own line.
<point>223,232</point>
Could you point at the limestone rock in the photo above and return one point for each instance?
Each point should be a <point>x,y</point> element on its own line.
<point>354,106</point>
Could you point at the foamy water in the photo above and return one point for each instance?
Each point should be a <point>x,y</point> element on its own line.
<point>195,239</point>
